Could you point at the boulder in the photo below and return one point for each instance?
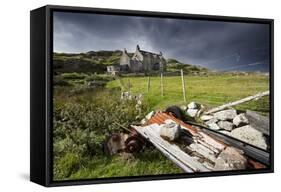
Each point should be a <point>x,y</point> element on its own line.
<point>192,112</point>
<point>250,135</point>
<point>224,115</point>
<point>206,117</point>
<point>170,131</point>
<point>230,159</point>
<point>193,105</point>
<point>240,120</point>
<point>226,125</point>
<point>259,122</point>
<point>213,126</point>
<point>214,120</point>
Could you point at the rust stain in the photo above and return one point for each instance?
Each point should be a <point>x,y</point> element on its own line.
<point>160,118</point>
<point>255,165</point>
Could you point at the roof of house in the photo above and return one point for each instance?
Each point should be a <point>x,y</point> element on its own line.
<point>149,53</point>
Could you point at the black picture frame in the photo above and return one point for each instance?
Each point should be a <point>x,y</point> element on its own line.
<point>41,49</point>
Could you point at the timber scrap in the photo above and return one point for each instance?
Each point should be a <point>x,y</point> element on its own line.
<point>199,148</point>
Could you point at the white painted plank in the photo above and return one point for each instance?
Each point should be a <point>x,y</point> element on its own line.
<point>151,132</point>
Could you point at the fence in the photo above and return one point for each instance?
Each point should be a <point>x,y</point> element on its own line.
<point>180,87</point>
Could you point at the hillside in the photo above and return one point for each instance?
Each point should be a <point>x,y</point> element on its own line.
<point>96,61</point>
<point>175,65</point>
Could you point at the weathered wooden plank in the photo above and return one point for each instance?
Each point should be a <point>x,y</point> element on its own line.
<point>219,108</point>
<point>211,141</point>
<point>201,149</point>
<point>184,167</point>
<point>151,132</point>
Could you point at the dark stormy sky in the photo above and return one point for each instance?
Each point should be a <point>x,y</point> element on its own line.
<point>216,45</point>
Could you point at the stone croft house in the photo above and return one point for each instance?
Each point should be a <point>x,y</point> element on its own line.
<point>141,62</point>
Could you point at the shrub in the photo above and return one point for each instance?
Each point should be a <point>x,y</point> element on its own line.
<point>73,75</point>
<point>82,122</point>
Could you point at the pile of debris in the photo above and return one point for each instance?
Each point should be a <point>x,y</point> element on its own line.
<point>228,139</point>
<point>190,147</point>
<point>248,126</point>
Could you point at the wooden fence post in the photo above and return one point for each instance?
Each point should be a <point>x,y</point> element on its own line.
<point>148,83</point>
<point>129,85</point>
<point>162,88</point>
<point>183,86</point>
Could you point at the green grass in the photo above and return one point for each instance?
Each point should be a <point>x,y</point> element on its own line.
<point>210,90</point>
<point>84,117</point>
<point>149,162</point>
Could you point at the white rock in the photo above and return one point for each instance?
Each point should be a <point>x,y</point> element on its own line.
<point>211,121</point>
<point>225,114</point>
<point>230,159</point>
<point>206,117</point>
<point>170,131</point>
<point>249,135</point>
<point>192,112</point>
<point>214,126</point>
<point>192,105</point>
<point>225,125</point>
<point>149,115</point>
<point>240,119</point>
<point>183,107</point>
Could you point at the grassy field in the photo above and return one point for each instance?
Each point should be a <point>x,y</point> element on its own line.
<point>208,90</point>
<point>84,117</point>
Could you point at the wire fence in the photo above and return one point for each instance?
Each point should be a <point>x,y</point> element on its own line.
<point>185,87</point>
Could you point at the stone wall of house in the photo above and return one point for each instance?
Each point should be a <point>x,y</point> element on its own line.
<point>142,61</point>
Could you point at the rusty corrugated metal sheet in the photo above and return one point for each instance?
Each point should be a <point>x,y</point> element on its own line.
<point>160,118</point>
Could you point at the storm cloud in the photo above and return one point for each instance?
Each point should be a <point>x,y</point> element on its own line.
<point>213,44</point>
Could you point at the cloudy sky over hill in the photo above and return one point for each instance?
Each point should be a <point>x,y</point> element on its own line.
<point>216,45</point>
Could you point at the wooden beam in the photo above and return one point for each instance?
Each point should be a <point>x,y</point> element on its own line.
<point>161,82</point>
<point>257,96</point>
<point>168,155</point>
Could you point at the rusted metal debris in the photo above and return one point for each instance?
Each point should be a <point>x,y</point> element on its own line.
<point>122,142</point>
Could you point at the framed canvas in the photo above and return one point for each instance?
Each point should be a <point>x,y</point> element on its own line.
<point>123,95</point>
